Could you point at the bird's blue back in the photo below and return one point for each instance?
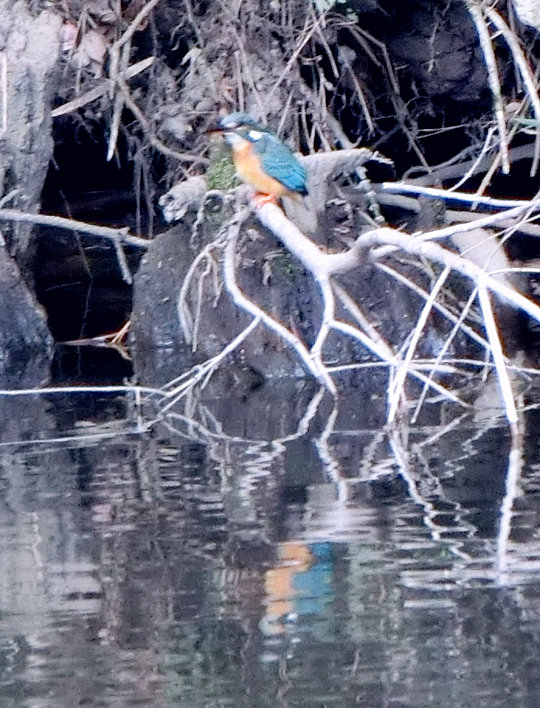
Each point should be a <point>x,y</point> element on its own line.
<point>280,163</point>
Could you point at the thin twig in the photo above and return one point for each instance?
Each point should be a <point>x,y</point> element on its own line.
<point>118,101</point>
<point>476,13</point>
<point>355,333</point>
<point>475,167</point>
<point>458,325</point>
<point>396,391</point>
<point>205,370</point>
<point>513,476</point>
<point>184,313</point>
<point>433,251</point>
<point>529,80</point>
<point>498,355</point>
<point>445,311</point>
<point>152,139</point>
<point>135,23</point>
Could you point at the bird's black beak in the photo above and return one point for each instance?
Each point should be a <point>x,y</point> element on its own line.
<point>216,128</point>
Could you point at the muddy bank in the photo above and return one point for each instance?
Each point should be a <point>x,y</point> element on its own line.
<point>132,90</point>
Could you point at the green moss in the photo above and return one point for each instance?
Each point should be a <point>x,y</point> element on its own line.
<point>284,264</point>
<point>221,173</point>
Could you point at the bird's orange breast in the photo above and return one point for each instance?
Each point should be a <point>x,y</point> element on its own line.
<point>248,167</point>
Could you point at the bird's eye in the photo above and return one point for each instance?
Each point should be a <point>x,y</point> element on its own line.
<point>254,135</point>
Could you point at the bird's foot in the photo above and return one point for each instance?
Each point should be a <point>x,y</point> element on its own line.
<point>259,199</point>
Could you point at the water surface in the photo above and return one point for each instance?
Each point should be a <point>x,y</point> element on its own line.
<point>262,552</point>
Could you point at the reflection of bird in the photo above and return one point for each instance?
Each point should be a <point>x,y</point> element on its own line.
<point>261,159</point>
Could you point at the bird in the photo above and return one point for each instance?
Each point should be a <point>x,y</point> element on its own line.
<point>261,159</point>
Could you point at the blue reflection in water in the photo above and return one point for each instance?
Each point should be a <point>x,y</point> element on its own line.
<point>300,584</point>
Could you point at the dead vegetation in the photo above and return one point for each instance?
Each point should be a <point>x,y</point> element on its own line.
<point>447,91</point>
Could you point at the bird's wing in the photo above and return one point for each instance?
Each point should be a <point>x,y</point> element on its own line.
<point>280,163</point>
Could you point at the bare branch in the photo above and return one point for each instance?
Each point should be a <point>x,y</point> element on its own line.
<point>117,235</point>
<point>101,89</point>
<point>476,13</point>
<point>311,362</point>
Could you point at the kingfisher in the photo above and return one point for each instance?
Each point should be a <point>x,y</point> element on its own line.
<point>261,159</point>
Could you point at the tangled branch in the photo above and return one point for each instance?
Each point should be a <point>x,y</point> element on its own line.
<point>377,246</point>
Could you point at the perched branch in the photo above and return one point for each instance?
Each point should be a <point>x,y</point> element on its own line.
<point>319,263</point>
<point>323,266</point>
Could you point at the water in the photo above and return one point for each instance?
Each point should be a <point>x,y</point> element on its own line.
<point>244,552</point>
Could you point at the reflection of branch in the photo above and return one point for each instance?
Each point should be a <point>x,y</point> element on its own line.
<point>401,456</point>
<point>331,465</point>
<point>515,464</point>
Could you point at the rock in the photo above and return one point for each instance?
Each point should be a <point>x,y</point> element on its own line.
<point>30,47</point>
<point>26,346</point>
<point>270,276</point>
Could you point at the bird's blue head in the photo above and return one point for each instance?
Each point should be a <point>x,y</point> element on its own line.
<point>238,127</point>
<point>237,120</point>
